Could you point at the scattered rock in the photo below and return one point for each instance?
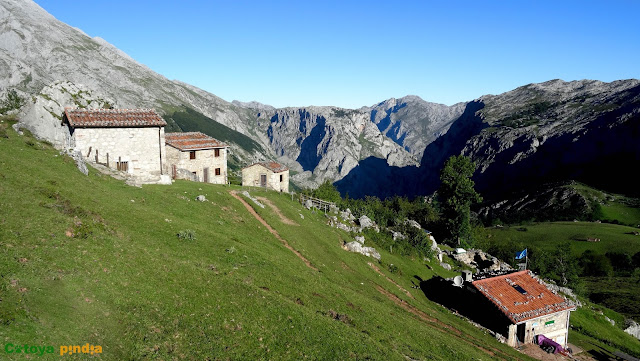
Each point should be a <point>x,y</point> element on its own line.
<point>358,248</point>
<point>446,266</point>
<point>612,322</point>
<point>413,223</point>
<point>633,329</point>
<point>478,259</point>
<point>308,204</point>
<point>257,203</point>
<point>201,198</point>
<point>360,239</point>
<point>301,216</point>
<point>398,235</point>
<point>80,163</point>
<point>365,222</point>
<point>346,215</point>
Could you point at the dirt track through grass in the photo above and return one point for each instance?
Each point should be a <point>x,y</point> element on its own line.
<point>277,211</point>
<point>271,230</point>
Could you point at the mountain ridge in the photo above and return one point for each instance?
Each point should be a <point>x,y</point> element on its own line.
<point>323,142</point>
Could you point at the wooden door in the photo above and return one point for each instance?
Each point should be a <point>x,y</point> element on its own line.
<point>205,175</point>
<point>263,180</point>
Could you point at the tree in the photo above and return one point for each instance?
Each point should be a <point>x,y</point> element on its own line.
<point>327,191</point>
<point>564,266</point>
<point>457,195</point>
<point>594,264</point>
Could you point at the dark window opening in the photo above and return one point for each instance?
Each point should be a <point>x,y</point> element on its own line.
<point>520,289</point>
<point>192,154</point>
<point>217,152</point>
<point>217,171</point>
<point>281,177</point>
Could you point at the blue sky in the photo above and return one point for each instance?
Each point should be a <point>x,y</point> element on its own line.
<point>357,53</point>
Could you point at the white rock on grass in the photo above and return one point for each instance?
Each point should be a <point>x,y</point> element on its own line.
<point>358,248</point>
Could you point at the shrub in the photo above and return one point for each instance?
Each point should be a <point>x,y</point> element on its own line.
<point>187,234</point>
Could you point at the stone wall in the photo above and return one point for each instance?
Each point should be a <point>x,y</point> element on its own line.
<point>205,161</point>
<point>142,148</point>
<point>554,326</point>
<point>251,178</point>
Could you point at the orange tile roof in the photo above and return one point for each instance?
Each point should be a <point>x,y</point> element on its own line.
<point>272,166</point>
<point>188,141</point>
<point>113,118</point>
<point>521,296</point>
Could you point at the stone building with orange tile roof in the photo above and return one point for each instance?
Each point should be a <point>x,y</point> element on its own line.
<point>269,175</point>
<point>129,140</point>
<point>196,156</point>
<point>528,307</point>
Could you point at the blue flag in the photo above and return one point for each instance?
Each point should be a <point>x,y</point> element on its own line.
<point>521,255</point>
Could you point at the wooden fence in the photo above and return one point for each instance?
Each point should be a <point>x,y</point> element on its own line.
<point>316,202</point>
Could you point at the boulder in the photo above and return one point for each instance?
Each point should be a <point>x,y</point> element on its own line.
<point>446,266</point>
<point>358,248</point>
<point>201,198</point>
<point>413,223</point>
<point>398,235</point>
<point>360,239</point>
<point>633,329</point>
<point>346,215</point>
<point>308,204</point>
<point>365,222</point>
<point>80,163</point>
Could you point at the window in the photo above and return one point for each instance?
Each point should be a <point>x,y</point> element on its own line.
<point>281,178</point>
<point>192,154</point>
<point>217,152</point>
<point>520,289</point>
<point>217,171</point>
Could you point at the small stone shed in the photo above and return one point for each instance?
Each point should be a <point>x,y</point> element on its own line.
<point>269,174</point>
<point>129,140</point>
<point>196,156</point>
<point>529,306</point>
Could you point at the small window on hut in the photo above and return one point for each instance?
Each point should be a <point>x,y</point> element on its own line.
<point>217,171</point>
<point>192,154</point>
<point>217,152</point>
<point>520,289</point>
<point>280,177</point>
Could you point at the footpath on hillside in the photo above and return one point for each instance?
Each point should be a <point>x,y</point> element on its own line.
<point>271,230</point>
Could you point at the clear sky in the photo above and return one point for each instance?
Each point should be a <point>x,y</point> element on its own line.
<point>356,53</point>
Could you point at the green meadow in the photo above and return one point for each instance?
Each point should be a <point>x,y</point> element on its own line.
<point>152,274</point>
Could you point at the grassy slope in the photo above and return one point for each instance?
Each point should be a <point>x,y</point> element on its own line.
<point>548,235</point>
<point>126,282</point>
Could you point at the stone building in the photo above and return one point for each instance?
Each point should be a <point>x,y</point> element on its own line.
<point>527,307</point>
<point>196,156</point>
<point>129,140</point>
<point>269,174</point>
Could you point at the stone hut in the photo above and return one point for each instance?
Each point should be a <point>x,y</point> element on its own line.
<point>196,156</point>
<point>269,175</point>
<point>129,140</point>
<point>528,307</point>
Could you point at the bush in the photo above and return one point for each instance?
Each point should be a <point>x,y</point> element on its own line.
<point>12,101</point>
<point>187,234</point>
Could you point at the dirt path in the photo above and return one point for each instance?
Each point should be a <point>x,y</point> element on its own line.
<point>390,280</point>
<point>283,218</point>
<point>273,231</point>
